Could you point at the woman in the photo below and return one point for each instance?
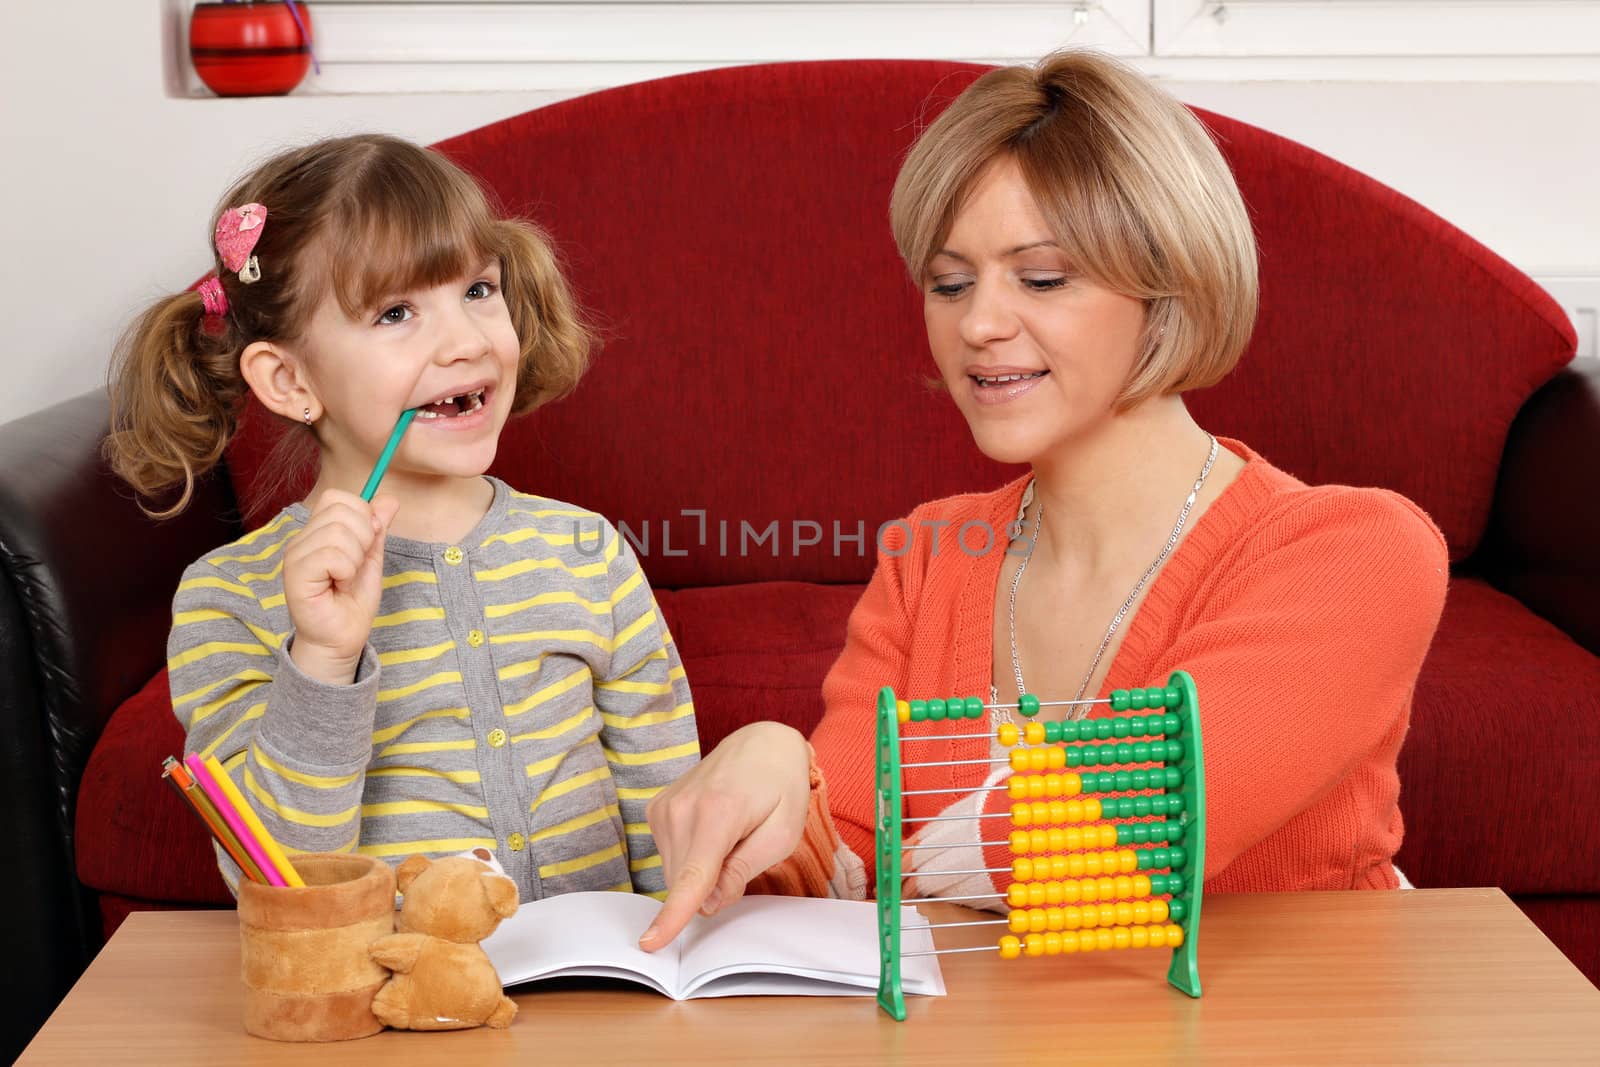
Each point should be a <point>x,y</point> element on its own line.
<point>1085,259</point>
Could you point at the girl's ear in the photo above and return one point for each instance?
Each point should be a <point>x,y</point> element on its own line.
<point>279,381</point>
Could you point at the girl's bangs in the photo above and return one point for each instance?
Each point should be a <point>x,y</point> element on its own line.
<point>403,236</point>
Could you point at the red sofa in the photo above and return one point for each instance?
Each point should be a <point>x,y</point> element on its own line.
<point>764,364</point>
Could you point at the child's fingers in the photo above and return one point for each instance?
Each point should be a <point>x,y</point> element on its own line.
<point>340,515</point>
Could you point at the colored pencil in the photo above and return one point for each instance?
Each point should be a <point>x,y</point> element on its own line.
<point>259,832</point>
<point>232,816</point>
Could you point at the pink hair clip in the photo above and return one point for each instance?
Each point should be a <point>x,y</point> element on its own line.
<point>216,305</point>
<point>238,230</point>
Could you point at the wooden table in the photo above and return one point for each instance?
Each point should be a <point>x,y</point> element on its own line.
<point>1429,976</point>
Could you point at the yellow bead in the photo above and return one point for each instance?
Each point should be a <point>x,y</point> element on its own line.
<point>1007,734</point>
<point>1017,787</point>
<point>1019,759</point>
<point>1022,870</point>
<point>1045,811</point>
<point>1038,841</point>
<point>1108,836</point>
<point>1089,916</point>
<point>1055,919</point>
<point>1072,839</point>
<point>1019,841</point>
<point>1091,863</point>
<point>1086,941</point>
<point>1071,918</point>
<point>1158,936</point>
<point>1021,814</point>
<point>1158,911</point>
<point>1139,936</point>
<point>1141,911</point>
<point>1141,885</point>
<point>1103,941</point>
<point>1069,942</point>
<point>1036,893</point>
<point>1034,733</point>
<point>1016,894</point>
<point>1091,807</point>
<point>1120,937</point>
<point>1057,758</point>
<point>1052,785</point>
<point>1108,915</point>
<point>1072,785</point>
<point>1124,887</point>
<point>1036,786</point>
<point>1130,860</point>
<point>1065,892</point>
<point>1109,890</point>
<point>1058,839</point>
<point>1075,865</point>
<point>902,710</point>
<point>1035,945</point>
<point>1052,944</point>
<point>1124,914</point>
<point>1071,811</point>
<point>1036,920</point>
<point>1174,935</point>
<point>1017,922</point>
<point>1010,948</point>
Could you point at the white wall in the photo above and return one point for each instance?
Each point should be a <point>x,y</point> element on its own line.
<point>108,181</point>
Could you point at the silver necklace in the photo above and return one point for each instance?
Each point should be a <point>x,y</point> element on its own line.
<point>1080,711</point>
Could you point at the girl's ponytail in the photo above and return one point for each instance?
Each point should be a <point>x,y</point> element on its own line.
<point>176,395</point>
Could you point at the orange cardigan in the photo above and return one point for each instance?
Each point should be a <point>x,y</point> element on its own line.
<point>1303,614</point>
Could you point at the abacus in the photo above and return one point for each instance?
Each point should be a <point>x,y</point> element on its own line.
<point>1077,885</point>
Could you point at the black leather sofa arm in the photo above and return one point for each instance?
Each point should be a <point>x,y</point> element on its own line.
<point>86,585</point>
<point>1543,541</point>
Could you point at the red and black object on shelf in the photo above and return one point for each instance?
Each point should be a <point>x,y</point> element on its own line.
<point>250,49</point>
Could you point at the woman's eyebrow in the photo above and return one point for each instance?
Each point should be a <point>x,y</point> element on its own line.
<point>1007,254</point>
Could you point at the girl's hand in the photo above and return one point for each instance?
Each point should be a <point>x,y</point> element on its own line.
<point>738,812</point>
<point>332,581</point>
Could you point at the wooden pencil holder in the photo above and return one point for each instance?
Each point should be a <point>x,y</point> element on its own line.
<point>307,975</point>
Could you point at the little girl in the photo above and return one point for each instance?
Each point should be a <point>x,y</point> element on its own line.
<point>449,666</point>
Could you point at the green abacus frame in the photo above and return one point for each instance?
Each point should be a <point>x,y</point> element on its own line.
<point>1178,696</point>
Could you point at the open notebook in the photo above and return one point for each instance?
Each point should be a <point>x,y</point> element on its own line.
<point>762,945</point>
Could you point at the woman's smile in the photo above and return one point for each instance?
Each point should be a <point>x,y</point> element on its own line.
<point>1001,385</point>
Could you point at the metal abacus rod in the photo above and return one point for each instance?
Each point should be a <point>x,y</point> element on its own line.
<point>1075,888</point>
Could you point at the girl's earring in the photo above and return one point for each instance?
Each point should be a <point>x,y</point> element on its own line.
<point>308,416</point>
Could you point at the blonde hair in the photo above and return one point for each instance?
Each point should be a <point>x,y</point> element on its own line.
<point>1134,191</point>
<point>361,217</point>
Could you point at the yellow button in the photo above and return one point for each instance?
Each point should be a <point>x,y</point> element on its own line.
<point>497,738</point>
<point>475,638</point>
<point>516,841</point>
<point>452,555</point>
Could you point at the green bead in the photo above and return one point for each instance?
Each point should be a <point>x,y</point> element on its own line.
<point>919,710</point>
<point>1174,830</point>
<point>1102,728</point>
<point>1052,735</point>
<point>1159,857</point>
<point>974,708</point>
<point>1119,700</point>
<point>1174,751</point>
<point>1138,779</point>
<point>1124,752</point>
<point>1174,779</point>
<point>1174,696</point>
<point>1141,752</point>
<point>1123,780</point>
<point>936,709</point>
<point>1158,884</point>
<point>1174,803</point>
<point>1176,858</point>
<point>955,708</point>
<point>1143,859</point>
<point>1028,705</point>
<point>1174,884</point>
<point>1136,698</point>
<point>1173,725</point>
<point>1136,726</point>
<point>1177,909</point>
<point>1119,727</point>
<point>1074,756</point>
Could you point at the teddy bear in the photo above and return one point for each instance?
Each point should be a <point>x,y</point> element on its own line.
<point>442,979</point>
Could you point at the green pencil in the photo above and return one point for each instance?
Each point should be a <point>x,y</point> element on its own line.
<point>371,487</point>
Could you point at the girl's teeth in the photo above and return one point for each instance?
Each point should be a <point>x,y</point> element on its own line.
<point>1004,378</point>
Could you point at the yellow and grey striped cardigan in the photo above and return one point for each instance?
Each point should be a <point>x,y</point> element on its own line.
<point>519,691</point>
